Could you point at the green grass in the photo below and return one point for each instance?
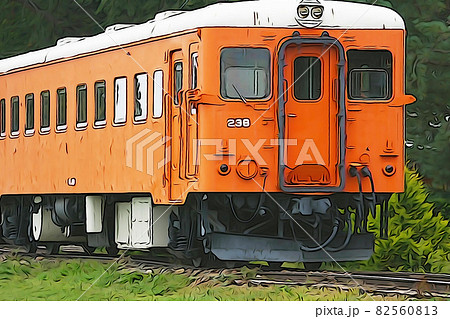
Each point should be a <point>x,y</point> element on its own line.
<point>23,278</point>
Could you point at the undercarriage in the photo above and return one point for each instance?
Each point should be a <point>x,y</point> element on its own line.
<point>276,227</point>
<point>270,227</point>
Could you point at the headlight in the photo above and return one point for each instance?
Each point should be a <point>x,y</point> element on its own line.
<point>317,12</point>
<point>303,11</point>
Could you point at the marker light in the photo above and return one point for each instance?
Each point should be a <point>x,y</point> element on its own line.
<point>303,11</point>
<point>317,12</point>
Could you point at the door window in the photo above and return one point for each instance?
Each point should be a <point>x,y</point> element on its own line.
<point>178,81</point>
<point>158,93</point>
<point>307,78</point>
<point>194,71</point>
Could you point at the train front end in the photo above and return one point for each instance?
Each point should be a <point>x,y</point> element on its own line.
<point>300,135</point>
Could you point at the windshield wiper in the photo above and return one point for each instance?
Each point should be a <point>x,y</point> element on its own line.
<point>239,93</point>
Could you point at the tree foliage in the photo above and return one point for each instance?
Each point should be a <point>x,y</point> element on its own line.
<point>27,25</point>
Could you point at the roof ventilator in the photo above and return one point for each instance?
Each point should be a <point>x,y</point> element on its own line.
<point>117,27</point>
<point>68,40</point>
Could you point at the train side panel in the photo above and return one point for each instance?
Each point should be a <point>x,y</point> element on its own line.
<point>107,158</point>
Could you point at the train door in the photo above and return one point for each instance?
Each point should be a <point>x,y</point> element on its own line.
<point>176,109</point>
<point>311,151</point>
<point>191,134</point>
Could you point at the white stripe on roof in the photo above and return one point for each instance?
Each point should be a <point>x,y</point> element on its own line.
<point>260,13</point>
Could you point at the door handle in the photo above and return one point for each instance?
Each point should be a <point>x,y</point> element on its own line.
<point>292,115</point>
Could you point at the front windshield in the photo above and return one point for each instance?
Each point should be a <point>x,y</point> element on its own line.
<point>245,73</point>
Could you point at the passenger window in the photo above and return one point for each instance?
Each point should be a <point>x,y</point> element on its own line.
<point>81,105</point>
<point>45,111</point>
<point>15,116</point>
<point>120,100</point>
<point>140,97</point>
<point>100,103</point>
<point>178,82</point>
<point>29,121</point>
<point>2,118</point>
<point>369,74</point>
<point>245,73</point>
<point>158,93</point>
<point>194,71</point>
<point>61,115</point>
<point>307,78</point>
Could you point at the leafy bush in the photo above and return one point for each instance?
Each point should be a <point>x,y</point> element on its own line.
<point>419,237</point>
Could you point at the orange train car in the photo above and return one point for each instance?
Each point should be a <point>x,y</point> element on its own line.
<point>242,131</point>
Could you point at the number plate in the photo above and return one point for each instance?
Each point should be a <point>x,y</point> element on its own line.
<point>239,123</point>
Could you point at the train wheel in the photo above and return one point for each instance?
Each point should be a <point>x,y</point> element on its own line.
<point>34,231</point>
<point>52,249</point>
<point>275,265</point>
<point>31,247</point>
<point>232,264</point>
<point>205,260</point>
<point>197,262</point>
<point>89,250</point>
<point>312,266</point>
<point>1,232</point>
<point>112,250</point>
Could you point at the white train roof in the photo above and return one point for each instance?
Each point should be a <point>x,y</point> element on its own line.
<point>260,13</point>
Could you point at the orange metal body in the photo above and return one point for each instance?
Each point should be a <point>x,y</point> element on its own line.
<point>115,159</point>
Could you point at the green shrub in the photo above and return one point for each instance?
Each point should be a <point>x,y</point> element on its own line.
<point>419,237</point>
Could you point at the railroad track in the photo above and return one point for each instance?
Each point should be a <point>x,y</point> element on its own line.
<point>410,284</point>
<point>401,283</point>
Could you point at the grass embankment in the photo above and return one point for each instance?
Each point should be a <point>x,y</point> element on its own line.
<point>23,278</point>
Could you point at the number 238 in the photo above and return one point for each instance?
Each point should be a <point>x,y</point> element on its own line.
<point>238,123</point>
